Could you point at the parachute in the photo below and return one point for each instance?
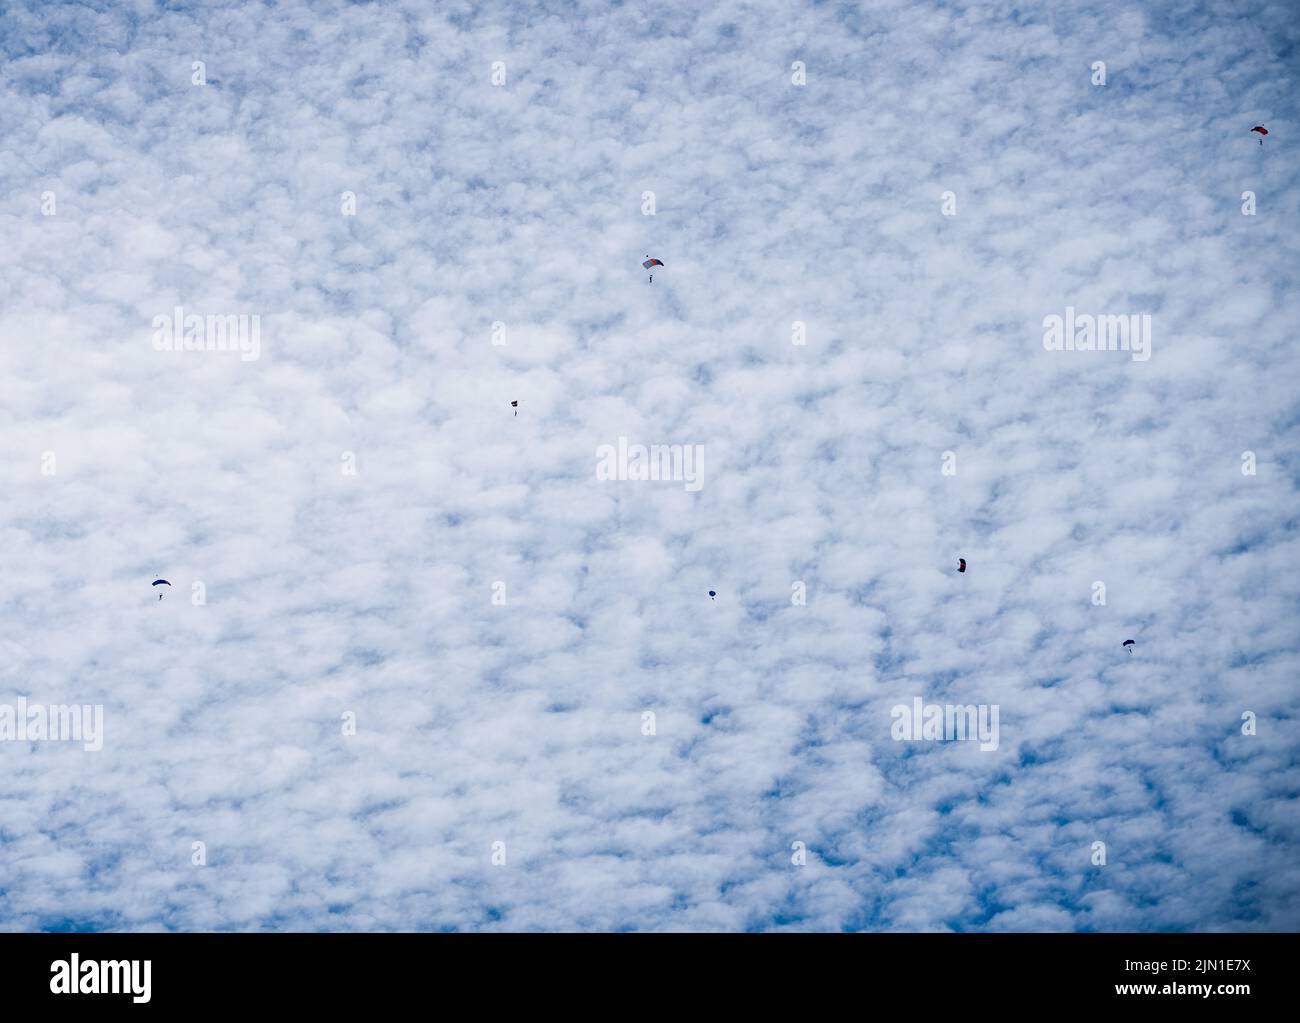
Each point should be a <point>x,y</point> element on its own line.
<point>650,265</point>
<point>713,594</point>
<point>515,405</point>
<point>161,582</point>
<point>1262,130</point>
<point>961,564</point>
<point>1127,642</point>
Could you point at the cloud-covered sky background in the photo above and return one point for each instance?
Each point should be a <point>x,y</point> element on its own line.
<point>522,724</point>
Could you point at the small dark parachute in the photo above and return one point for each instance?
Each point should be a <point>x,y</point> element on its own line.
<point>961,564</point>
<point>161,582</point>
<point>515,405</point>
<point>1128,643</point>
<point>713,594</point>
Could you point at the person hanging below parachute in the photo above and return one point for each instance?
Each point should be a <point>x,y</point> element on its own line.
<point>161,582</point>
<point>650,264</point>
<point>1262,131</point>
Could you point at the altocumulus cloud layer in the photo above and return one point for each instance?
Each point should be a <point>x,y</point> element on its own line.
<point>521,204</point>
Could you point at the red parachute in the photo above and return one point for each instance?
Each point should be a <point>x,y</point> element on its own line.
<point>1262,130</point>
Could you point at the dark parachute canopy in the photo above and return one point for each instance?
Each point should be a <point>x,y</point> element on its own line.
<point>161,582</point>
<point>1260,128</point>
<point>961,564</point>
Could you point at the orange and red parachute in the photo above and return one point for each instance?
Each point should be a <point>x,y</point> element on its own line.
<point>1260,128</point>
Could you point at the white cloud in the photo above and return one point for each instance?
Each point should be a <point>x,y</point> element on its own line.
<point>372,594</point>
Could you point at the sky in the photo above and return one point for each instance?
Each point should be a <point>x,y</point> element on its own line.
<point>428,662</point>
